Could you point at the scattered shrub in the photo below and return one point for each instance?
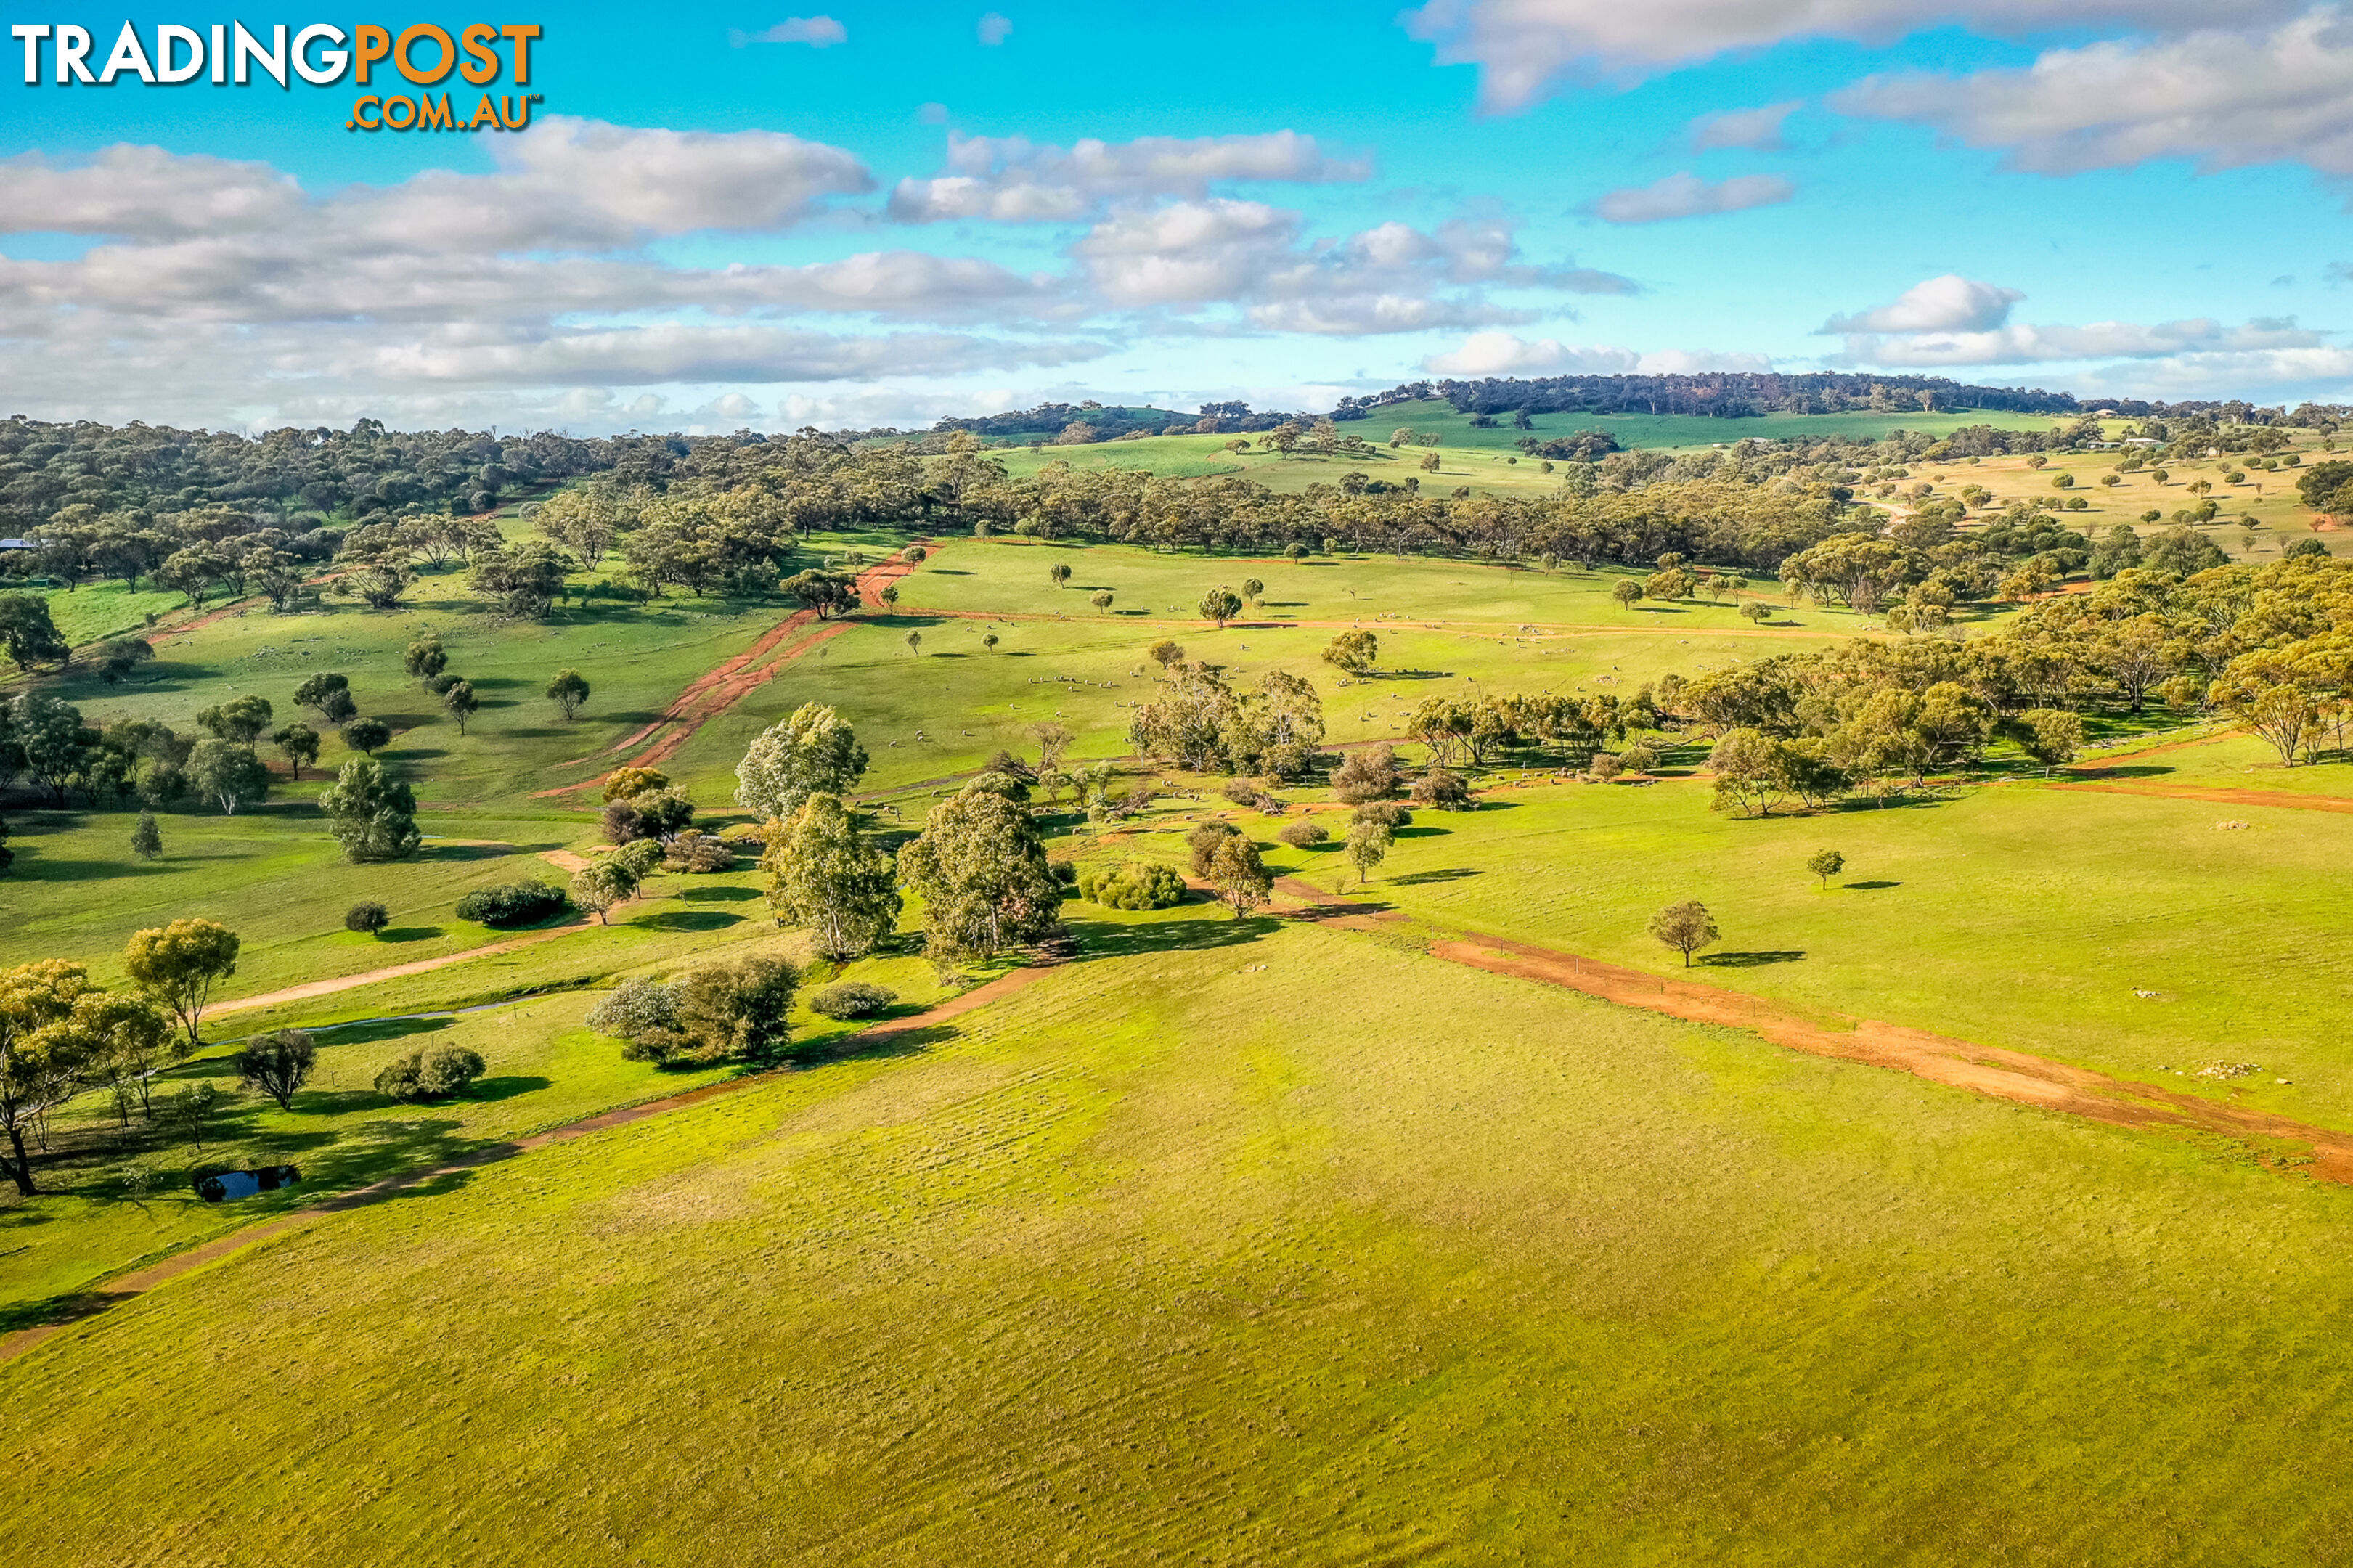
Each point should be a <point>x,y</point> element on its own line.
<point>1639,759</point>
<point>1302,835</point>
<point>278,1064</point>
<point>1244,792</point>
<point>1388,813</point>
<point>434,1074</point>
<point>1443,790</point>
<point>644,1014</point>
<point>694,850</point>
<point>1203,841</point>
<point>1604,766</point>
<point>738,1010</point>
<point>1131,885</point>
<point>1367,774</point>
<point>851,999</point>
<point>367,916</point>
<point>626,783</point>
<point>512,903</point>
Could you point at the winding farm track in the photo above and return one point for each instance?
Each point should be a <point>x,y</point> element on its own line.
<point>712,694</point>
<point>2015,1076</point>
<point>2218,796</point>
<point>129,1286</point>
<point>562,859</point>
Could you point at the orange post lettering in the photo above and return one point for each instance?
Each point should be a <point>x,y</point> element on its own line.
<point>521,34</point>
<point>369,44</point>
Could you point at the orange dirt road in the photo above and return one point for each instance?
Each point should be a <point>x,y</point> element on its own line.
<point>303,993</point>
<point>711,695</point>
<point>138,1282</point>
<point>2009,1075</point>
<point>2218,796</point>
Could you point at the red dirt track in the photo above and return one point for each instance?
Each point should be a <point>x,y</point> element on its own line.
<point>714,694</point>
<point>2015,1076</point>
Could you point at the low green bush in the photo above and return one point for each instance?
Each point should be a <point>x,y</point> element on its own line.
<point>851,999</point>
<point>512,903</point>
<point>1131,885</point>
<point>434,1074</point>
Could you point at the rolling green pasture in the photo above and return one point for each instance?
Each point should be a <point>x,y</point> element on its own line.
<point>1674,431</point>
<point>100,610</point>
<point>1009,576</point>
<point>1186,455</point>
<point>545,1068</point>
<point>635,661</point>
<point>1250,1244</point>
<point>931,716</point>
<point>2229,761</point>
<point>2012,915</point>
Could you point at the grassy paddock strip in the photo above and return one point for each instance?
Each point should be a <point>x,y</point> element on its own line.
<point>2276,1142</point>
<point>138,1282</point>
<point>1252,1243</point>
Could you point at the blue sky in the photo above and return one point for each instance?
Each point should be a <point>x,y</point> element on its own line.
<point>898,211</point>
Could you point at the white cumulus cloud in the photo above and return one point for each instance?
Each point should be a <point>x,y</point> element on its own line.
<point>1527,48</point>
<point>1505,354</point>
<point>2217,97</point>
<point>1687,195</point>
<point>1947,304</point>
<point>1756,129</point>
<point>817,32</point>
<point>1009,179</point>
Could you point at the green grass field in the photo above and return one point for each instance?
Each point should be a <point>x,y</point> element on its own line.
<point>2012,915</point>
<point>1226,1241</point>
<point>1252,1244</point>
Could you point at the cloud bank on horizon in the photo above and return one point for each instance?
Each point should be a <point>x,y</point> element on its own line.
<point>1689,187</point>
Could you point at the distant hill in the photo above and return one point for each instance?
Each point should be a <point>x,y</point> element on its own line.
<point>1737,395</point>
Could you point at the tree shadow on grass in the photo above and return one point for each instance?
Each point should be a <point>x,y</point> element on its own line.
<point>69,1308</point>
<point>1750,959</point>
<point>1867,887</point>
<point>368,1030</point>
<point>686,920</point>
<point>877,1044</point>
<point>490,1090</point>
<point>722,895</point>
<point>2121,771</point>
<point>409,933</point>
<point>1104,939</point>
<point>39,868</point>
<point>1418,878</point>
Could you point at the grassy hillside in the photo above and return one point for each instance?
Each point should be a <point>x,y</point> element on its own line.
<point>1247,1241</point>
<point>1676,431</point>
<point>1250,1246</point>
<point>1486,459</point>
